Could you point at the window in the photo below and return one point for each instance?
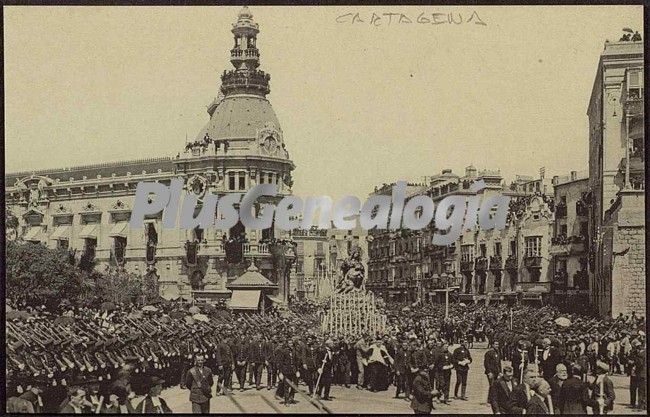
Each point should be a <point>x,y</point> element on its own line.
<point>513,248</point>
<point>533,246</point>
<point>62,244</point>
<point>584,229</point>
<point>635,83</point>
<point>497,249</point>
<point>563,200</point>
<point>319,247</point>
<point>231,181</point>
<point>242,180</point>
<point>261,178</point>
<point>483,250</point>
<point>467,253</point>
<point>563,230</point>
<point>392,249</point>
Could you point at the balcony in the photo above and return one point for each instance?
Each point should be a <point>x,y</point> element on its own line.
<point>533,262</point>
<point>512,263</point>
<point>582,209</point>
<point>234,81</point>
<point>466,266</point>
<point>481,263</point>
<point>533,287</point>
<point>496,263</point>
<point>567,245</point>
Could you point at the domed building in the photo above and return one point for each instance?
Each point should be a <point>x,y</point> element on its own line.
<point>86,209</point>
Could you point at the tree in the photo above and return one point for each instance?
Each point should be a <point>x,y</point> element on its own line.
<point>38,275</point>
<point>118,286</point>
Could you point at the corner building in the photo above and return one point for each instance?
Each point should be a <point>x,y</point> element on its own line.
<point>86,209</point>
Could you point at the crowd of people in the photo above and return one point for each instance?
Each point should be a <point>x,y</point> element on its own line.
<point>101,359</point>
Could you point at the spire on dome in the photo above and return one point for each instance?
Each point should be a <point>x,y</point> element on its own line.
<point>245,57</point>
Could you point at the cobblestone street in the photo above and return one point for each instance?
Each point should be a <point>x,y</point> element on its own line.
<point>352,400</point>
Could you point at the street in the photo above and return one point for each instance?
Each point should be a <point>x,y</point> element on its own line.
<point>352,400</point>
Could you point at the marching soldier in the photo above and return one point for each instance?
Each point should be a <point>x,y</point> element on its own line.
<point>444,364</point>
<point>288,366</point>
<point>256,359</point>
<point>309,363</point>
<point>225,360</point>
<point>240,355</point>
<point>269,348</point>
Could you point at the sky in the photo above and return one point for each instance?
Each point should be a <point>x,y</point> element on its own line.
<point>360,104</point>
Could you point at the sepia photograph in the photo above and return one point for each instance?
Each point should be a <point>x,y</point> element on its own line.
<point>350,209</point>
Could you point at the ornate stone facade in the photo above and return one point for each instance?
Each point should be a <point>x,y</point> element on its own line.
<point>86,209</point>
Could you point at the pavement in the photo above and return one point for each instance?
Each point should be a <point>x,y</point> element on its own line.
<point>353,400</point>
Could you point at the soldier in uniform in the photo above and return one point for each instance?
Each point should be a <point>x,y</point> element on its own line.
<point>256,359</point>
<point>309,364</point>
<point>401,368</point>
<point>240,355</point>
<point>462,359</point>
<point>288,366</point>
<point>225,362</point>
<point>444,364</point>
<point>268,352</point>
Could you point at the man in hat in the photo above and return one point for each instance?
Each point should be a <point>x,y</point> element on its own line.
<point>224,362</point>
<point>152,403</point>
<point>288,366</point>
<point>520,358</point>
<point>401,368</point>
<point>550,357</point>
<point>422,402</point>
<point>33,395</point>
<point>199,381</point>
<point>325,361</point>
<point>444,365</point>
<point>462,359</point>
<point>270,344</point>
<point>602,390</point>
<point>309,361</point>
<point>256,358</point>
<point>492,362</point>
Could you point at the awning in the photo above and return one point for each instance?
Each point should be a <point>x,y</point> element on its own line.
<point>34,234</point>
<point>118,230</point>
<point>245,299</point>
<point>61,232</point>
<point>275,299</point>
<point>89,232</point>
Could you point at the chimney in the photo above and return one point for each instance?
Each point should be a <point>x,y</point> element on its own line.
<point>574,175</point>
<point>555,179</point>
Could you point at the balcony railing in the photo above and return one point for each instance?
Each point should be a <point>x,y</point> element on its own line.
<point>466,265</point>
<point>495,262</point>
<point>533,261</point>
<point>481,263</point>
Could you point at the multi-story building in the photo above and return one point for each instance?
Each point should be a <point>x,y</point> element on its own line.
<point>616,181</point>
<point>87,208</point>
<point>312,260</point>
<point>481,264</point>
<point>570,239</point>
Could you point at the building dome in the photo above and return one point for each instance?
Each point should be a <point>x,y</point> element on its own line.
<point>240,117</point>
